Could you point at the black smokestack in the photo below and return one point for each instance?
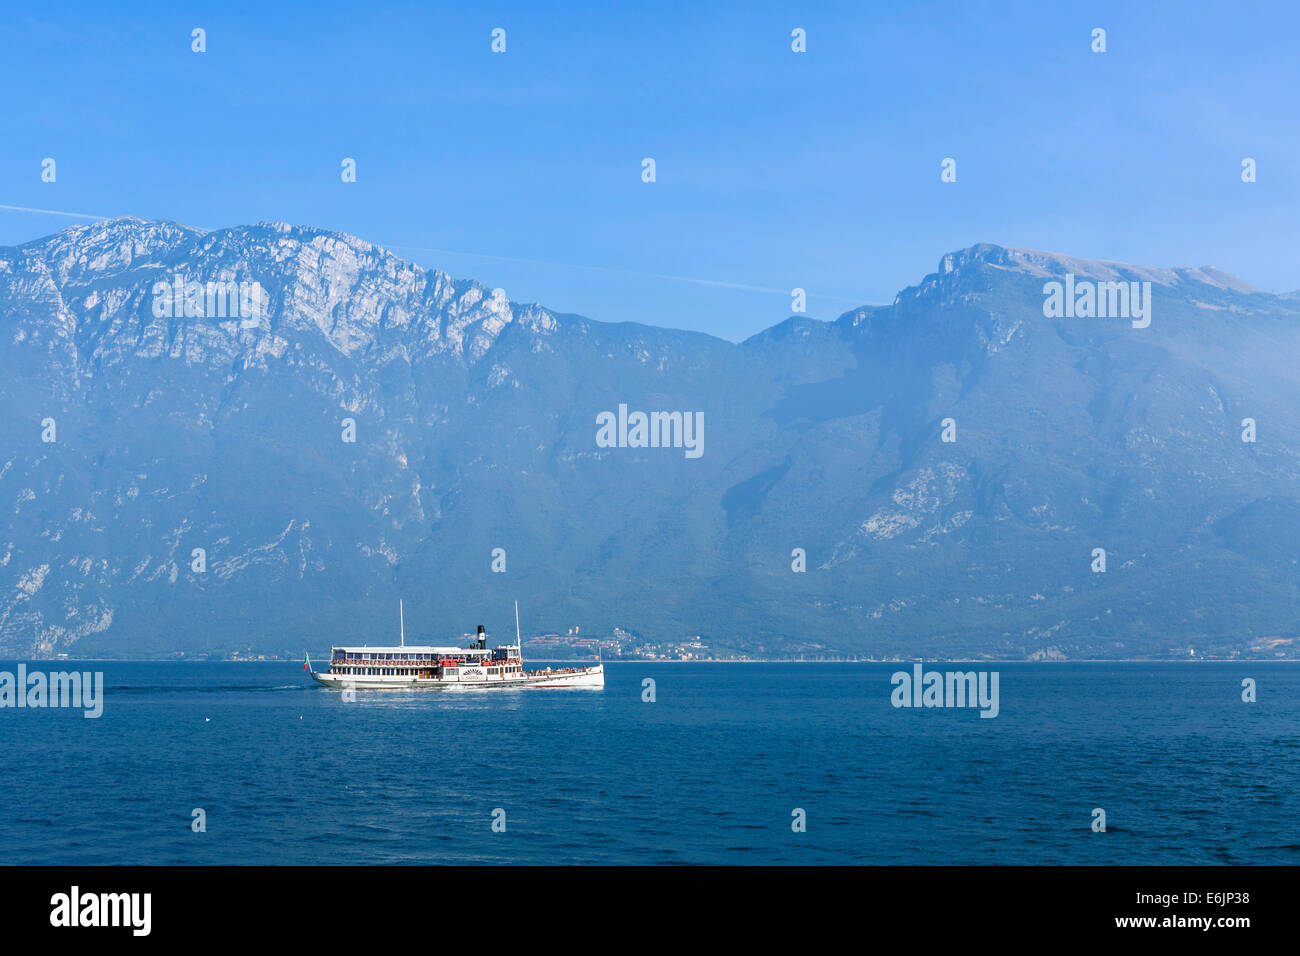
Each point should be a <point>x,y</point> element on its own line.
<point>482,638</point>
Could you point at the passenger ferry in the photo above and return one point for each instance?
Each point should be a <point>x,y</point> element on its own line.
<point>445,668</point>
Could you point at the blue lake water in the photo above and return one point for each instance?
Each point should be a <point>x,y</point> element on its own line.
<point>710,772</point>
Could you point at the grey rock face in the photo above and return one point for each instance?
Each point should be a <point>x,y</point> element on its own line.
<point>475,421</point>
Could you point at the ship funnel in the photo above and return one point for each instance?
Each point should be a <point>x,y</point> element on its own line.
<point>482,638</point>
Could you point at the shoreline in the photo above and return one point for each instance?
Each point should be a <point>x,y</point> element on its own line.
<point>764,660</point>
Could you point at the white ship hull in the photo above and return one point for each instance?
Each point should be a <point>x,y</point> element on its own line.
<point>425,666</point>
<point>590,677</point>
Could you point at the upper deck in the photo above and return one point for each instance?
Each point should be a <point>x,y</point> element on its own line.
<point>413,653</point>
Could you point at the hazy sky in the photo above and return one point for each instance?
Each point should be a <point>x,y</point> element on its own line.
<point>775,169</point>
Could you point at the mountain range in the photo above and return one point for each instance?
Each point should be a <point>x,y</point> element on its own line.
<point>945,468</point>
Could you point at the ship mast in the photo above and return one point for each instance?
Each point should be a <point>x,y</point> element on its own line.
<point>401,617</point>
<point>519,651</point>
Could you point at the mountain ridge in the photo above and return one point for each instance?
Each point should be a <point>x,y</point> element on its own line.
<point>475,425</point>
<point>1030,262</point>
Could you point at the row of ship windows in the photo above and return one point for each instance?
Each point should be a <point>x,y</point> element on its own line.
<point>412,671</point>
<point>399,658</point>
<point>395,658</point>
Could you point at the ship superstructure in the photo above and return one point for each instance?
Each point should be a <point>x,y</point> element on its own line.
<point>450,667</point>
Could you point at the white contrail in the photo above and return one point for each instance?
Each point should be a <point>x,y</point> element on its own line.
<point>54,212</point>
<point>630,272</point>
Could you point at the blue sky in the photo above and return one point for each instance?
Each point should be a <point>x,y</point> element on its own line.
<point>775,169</point>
